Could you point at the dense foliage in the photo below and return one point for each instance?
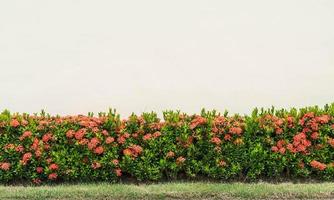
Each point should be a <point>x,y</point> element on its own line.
<point>266,144</point>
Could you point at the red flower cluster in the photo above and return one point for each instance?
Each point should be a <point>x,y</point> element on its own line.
<point>109,140</point>
<point>280,147</point>
<point>180,160</point>
<point>53,167</point>
<point>133,150</point>
<point>170,154</point>
<point>53,176</point>
<point>96,165</point>
<point>272,122</point>
<point>300,143</point>
<point>236,130</point>
<point>26,134</point>
<point>198,120</point>
<point>318,165</point>
<point>222,163</point>
<point>216,141</point>
<point>14,123</point>
<point>47,137</point>
<point>25,158</point>
<point>5,166</point>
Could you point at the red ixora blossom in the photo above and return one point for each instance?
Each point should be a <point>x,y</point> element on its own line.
<point>318,165</point>
<point>180,160</point>
<point>19,149</point>
<point>99,150</point>
<point>36,181</point>
<point>315,135</point>
<point>80,134</point>
<point>53,176</point>
<point>70,134</point>
<point>53,166</point>
<point>222,163</point>
<point>26,157</point>
<point>5,166</point>
<point>121,140</point>
<point>156,134</point>
<point>198,120</point>
<point>25,134</point>
<point>147,136</point>
<point>14,123</point>
<point>227,137</point>
<point>105,133</point>
<point>39,170</point>
<point>96,165</point>
<point>274,149</point>
<point>133,150</point>
<point>236,130</point>
<point>331,141</point>
<point>118,172</point>
<point>93,143</point>
<point>323,119</point>
<point>127,152</point>
<point>47,137</point>
<point>115,162</point>
<point>109,140</point>
<point>215,140</point>
<point>170,154</point>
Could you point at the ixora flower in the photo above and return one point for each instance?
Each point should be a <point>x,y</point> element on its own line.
<point>198,120</point>
<point>53,176</point>
<point>80,134</point>
<point>222,163</point>
<point>37,181</point>
<point>5,166</point>
<point>14,123</point>
<point>96,165</point>
<point>109,140</point>
<point>180,160</point>
<point>118,172</point>
<point>156,134</point>
<point>227,137</point>
<point>70,134</point>
<point>236,130</point>
<point>216,140</point>
<point>330,141</point>
<point>47,137</point>
<point>26,157</point>
<point>318,165</point>
<point>115,162</point>
<point>53,167</point>
<point>315,135</point>
<point>19,149</point>
<point>99,150</point>
<point>39,170</point>
<point>26,134</point>
<point>170,154</point>
<point>147,136</point>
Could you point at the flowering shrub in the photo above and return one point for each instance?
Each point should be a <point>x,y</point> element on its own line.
<point>267,143</point>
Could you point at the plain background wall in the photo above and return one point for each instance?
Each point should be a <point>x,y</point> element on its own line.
<point>71,57</point>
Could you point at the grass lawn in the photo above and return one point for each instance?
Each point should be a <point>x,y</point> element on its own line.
<point>187,190</point>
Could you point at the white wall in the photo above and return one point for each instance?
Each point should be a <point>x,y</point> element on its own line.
<point>72,57</point>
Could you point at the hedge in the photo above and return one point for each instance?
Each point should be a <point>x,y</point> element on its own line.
<point>268,143</point>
